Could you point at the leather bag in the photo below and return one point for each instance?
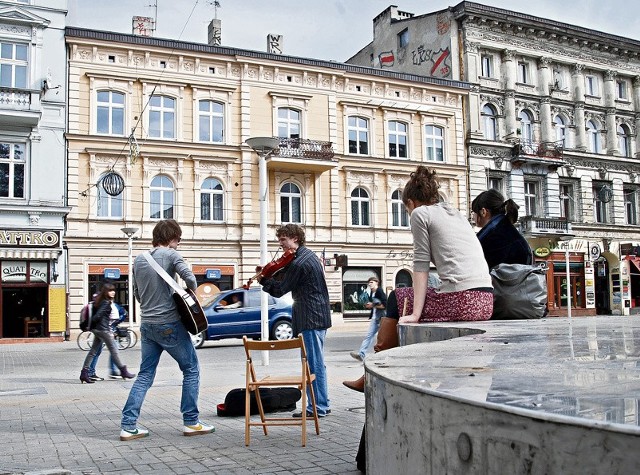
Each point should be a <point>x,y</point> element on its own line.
<point>520,292</point>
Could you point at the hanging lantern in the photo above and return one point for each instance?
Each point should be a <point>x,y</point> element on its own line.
<point>112,183</point>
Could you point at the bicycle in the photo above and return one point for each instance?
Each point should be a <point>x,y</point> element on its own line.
<point>125,337</point>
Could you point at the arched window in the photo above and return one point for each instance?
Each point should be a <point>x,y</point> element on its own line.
<point>162,197</point>
<point>358,130</point>
<point>526,129</point>
<point>360,207</point>
<point>397,139</point>
<point>624,142</point>
<point>490,122</point>
<point>399,215</point>
<point>403,278</point>
<point>162,117</point>
<point>558,123</point>
<point>288,123</point>
<point>211,121</point>
<point>110,113</point>
<point>434,137</point>
<point>109,206</point>
<point>290,203</point>
<point>211,200</point>
<point>593,135</point>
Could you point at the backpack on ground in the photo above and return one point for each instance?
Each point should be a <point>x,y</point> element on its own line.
<point>273,400</point>
<point>85,317</point>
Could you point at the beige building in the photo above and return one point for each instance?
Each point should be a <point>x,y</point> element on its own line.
<point>170,119</point>
<point>552,121</point>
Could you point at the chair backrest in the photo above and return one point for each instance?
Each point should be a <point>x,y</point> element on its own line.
<point>274,345</point>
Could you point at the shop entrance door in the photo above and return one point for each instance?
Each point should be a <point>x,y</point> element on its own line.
<point>24,312</point>
<point>603,305</point>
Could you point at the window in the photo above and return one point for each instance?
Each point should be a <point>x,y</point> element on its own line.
<point>13,65</point>
<point>162,198</point>
<point>12,169</point>
<point>496,183</point>
<point>530,198</point>
<point>435,143</point>
<point>624,141</point>
<point>602,196</point>
<point>594,137</point>
<point>621,90</point>
<point>358,128</point>
<point>523,72</point>
<point>591,85</point>
<point>489,122</point>
<point>109,206</point>
<point>403,38</point>
<point>630,205</point>
<point>558,123</point>
<point>162,112</point>
<point>558,80</point>
<point>526,130</point>
<point>290,203</point>
<point>110,113</point>
<point>288,123</point>
<point>566,202</point>
<point>486,62</point>
<point>397,139</point>
<point>360,207</point>
<point>399,215</point>
<point>211,121</point>
<point>211,200</point>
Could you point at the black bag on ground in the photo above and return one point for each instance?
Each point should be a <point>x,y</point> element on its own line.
<point>519,292</point>
<point>273,400</point>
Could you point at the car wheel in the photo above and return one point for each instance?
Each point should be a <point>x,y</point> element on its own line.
<point>198,340</point>
<point>282,330</point>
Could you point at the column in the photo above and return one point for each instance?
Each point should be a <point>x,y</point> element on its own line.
<point>610,104</point>
<point>636,107</point>
<point>578,97</point>
<point>516,186</point>
<point>509,75</point>
<point>553,193</point>
<point>544,79</point>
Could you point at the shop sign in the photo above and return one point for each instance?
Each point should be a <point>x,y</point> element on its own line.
<point>111,273</point>
<point>213,274</point>
<point>594,252</point>
<point>16,271</point>
<point>19,238</point>
<point>542,252</point>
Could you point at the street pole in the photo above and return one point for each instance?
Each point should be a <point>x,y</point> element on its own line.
<point>130,232</point>
<point>264,147</point>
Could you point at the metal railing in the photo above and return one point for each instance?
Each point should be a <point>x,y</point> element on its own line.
<point>303,148</point>
<point>547,150</point>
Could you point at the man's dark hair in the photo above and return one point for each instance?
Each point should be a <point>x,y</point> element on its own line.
<point>291,231</point>
<point>166,231</point>
<point>373,279</point>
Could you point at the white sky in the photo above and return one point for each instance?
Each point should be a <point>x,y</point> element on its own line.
<point>323,29</point>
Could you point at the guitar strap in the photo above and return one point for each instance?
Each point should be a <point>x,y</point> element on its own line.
<point>167,278</point>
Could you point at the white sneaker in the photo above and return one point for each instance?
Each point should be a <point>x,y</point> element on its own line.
<point>137,433</point>
<point>198,429</point>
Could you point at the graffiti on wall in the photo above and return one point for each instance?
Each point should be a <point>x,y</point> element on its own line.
<point>386,59</point>
<point>438,62</point>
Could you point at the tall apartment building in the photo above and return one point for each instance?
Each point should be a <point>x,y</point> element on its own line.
<point>32,169</point>
<point>169,120</point>
<point>552,122</point>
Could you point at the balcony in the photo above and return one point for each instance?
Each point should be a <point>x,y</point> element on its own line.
<point>303,155</point>
<point>532,226</point>
<point>544,153</point>
<point>19,107</point>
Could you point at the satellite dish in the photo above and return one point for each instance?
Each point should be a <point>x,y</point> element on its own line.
<point>605,194</point>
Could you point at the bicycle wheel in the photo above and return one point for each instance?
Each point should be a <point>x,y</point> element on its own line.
<point>123,341</point>
<point>85,340</point>
<point>134,337</point>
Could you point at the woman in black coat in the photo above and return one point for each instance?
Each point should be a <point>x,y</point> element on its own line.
<point>501,242</point>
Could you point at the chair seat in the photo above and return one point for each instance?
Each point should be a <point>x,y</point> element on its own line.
<point>279,381</point>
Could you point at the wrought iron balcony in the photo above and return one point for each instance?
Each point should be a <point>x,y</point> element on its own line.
<point>532,226</point>
<point>303,154</point>
<point>549,153</point>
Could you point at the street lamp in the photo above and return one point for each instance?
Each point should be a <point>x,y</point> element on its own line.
<point>130,232</point>
<point>264,147</point>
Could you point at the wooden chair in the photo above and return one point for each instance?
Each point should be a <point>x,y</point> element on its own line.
<point>302,381</point>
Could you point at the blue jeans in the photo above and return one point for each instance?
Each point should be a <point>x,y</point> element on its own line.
<point>175,340</point>
<point>314,344</point>
<point>113,369</point>
<point>369,340</point>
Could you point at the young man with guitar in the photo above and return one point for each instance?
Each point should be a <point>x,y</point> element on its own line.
<point>161,330</point>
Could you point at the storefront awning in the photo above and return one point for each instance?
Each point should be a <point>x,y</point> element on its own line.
<point>43,254</point>
<point>358,275</point>
<point>636,262</point>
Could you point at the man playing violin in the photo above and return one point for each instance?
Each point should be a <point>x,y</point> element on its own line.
<point>311,315</point>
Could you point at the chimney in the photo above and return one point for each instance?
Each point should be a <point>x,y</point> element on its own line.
<point>215,33</point>
<point>275,43</point>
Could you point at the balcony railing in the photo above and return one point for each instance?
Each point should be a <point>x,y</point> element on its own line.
<point>17,99</point>
<point>536,226</point>
<point>303,148</point>
<point>546,152</point>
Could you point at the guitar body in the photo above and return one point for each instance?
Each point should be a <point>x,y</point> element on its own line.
<point>191,312</point>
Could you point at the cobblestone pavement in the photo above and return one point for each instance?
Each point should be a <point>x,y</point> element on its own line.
<point>52,424</point>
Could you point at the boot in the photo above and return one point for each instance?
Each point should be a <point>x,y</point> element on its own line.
<point>125,374</point>
<point>84,376</point>
<point>357,385</point>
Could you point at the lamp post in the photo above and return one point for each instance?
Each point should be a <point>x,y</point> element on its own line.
<point>264,147</point>
<point>130,232</point>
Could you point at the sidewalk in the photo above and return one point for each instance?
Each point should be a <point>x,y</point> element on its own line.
<point>50,423</point>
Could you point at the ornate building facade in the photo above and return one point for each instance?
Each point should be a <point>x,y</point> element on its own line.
<point>552,122</point>
<point>170,120</point>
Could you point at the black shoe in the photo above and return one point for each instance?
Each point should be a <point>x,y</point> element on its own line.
<point>310,414</point>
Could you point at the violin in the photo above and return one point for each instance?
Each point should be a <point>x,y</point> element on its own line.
<point>272,267</point>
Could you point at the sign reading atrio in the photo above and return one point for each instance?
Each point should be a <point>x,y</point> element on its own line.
<point>29,238</point>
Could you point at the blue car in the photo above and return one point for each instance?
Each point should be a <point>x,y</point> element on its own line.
<point>235,313</point>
